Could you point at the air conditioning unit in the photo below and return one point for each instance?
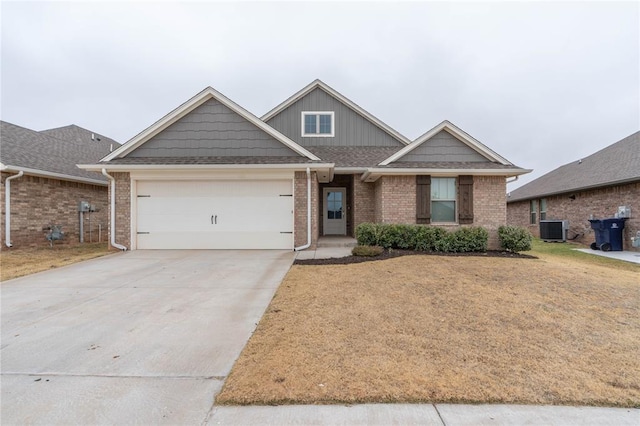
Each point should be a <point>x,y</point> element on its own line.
<point>554,230</point>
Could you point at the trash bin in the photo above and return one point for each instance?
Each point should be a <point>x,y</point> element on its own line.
<point>608,233</point>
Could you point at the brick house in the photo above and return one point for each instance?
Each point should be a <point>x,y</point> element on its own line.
<point>212,175</point>
<point>593,186</point>
<point>41,185</point>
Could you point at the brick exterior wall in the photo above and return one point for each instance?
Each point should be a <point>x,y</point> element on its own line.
<point>38,202</point>
<point>490,205</point>
<point>364,201</point>
<point>396,199</point>
<point>300,209</point>
<point>123,208</point>
<point>601,203</point>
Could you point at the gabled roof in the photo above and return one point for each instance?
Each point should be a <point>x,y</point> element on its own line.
<point>41,154</point>
<point>460,134</point>
<point>318,84</point>
<point>190,105</point>
<point>616,164</point>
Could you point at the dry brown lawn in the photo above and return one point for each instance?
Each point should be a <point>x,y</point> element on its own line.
<point>447,329</point>
<point>17,262</point>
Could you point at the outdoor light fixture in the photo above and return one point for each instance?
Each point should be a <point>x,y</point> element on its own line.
<point>572,197</point>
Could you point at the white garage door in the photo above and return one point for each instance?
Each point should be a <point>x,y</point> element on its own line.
<point>215,214</point>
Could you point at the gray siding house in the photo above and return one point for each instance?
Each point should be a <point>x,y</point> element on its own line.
<point>210,174</point>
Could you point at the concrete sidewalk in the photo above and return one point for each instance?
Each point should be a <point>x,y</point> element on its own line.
<point>329,247</point>
<point>423,414</point>
<point>627,256</point>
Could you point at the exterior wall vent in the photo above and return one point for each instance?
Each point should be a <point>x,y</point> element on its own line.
<point>554,230</point>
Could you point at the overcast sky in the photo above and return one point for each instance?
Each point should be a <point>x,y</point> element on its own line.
<point>542,84</point>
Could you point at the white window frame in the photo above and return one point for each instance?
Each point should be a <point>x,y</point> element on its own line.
<point>318,114</point>
<point>454,199</point>
<point>543,212</point>
<point>533,212</point>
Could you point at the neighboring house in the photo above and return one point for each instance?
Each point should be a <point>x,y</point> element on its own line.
<point>42,186</point>
<point>594,186</point>
<point>211,175</point>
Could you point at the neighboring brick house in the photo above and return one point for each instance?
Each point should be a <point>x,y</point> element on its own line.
<point>594,186</point>
<point>45,186</point>
<point>212,175</point>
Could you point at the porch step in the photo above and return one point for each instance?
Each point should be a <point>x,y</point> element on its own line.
<point>340,241</point>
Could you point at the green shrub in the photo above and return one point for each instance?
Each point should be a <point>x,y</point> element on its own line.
<point>427,238</point>
<point>514,238</point>
<point>422,238</point>
<point>367,234</point>
<point>468,239</point>
<point>367,251</point>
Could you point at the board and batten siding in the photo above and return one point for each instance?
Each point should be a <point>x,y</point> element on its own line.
<point>443,146</point>
<point>212,130</point>
<point>351,129</point>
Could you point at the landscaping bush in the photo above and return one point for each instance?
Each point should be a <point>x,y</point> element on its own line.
<point>367,234</point>
<point>422,238</point>
<point>471,239</point>
<point>367,251</point>
<point>514,238</point>
<point>427,238</point>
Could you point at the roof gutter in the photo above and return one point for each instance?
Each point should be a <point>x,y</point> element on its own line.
<point>216,167</point>
<point>7,208</point>
<point>371,175</point>
<point>53,175</point>
<point>306,246</point>
<point>113,211</point>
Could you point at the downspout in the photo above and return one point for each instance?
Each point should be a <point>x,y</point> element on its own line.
<point>113,211</point>
<point>515,178</point>
<point>306,246</point>
<point>7,208</point>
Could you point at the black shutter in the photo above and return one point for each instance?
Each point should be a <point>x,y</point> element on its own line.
<point>465,197</point>
<point>423,199</point>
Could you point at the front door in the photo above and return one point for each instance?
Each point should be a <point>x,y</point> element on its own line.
<point>334,215</point>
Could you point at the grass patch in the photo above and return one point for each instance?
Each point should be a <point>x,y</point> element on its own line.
<point>554,330</point>
<point>567,251</point>
<point>18,262</point>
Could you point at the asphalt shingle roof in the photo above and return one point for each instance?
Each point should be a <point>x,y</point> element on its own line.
<point>368,156</point>
<point>22,147</point>
<point>616,163</point>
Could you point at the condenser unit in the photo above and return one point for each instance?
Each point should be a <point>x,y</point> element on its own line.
<point>554,230</point>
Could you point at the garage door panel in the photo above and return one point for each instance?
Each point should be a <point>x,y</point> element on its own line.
<point>204,241</point>
<point>214,188</point>
<point>215,214</point>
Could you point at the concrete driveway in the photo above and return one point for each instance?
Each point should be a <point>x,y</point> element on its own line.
<point>140,337</point>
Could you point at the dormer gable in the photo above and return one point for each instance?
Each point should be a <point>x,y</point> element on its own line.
<point>318,115</point>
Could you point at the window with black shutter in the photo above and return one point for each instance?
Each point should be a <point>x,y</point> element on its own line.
<point>423,199</point>
<point>465,195</point>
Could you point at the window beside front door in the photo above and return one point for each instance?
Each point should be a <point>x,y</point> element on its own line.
<point>334,214</point>
<point>318,124</point>
<point>443,199</point>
